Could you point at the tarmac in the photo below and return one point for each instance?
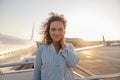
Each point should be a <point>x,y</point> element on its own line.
<point>100,61</point>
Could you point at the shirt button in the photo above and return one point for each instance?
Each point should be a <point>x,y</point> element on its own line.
<point>57,65</point>
<point>60,52</point>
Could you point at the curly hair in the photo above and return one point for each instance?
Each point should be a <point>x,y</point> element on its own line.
<point>45,27</point>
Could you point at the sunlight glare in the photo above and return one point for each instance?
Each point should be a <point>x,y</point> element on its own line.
<point>89,56</point>
<point>86,52</point>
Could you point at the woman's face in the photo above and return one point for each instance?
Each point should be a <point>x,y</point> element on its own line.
<point>57,30</point>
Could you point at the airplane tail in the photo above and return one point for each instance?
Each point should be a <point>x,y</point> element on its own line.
<point>104,42</point>
<point>32,35</point>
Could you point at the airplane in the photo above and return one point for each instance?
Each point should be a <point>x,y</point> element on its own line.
<point>13,47</point>
<point>115,44</point>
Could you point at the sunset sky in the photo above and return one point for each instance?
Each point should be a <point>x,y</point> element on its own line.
<point>86,19</point>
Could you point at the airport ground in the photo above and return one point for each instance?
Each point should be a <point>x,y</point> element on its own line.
<point>100,61</point>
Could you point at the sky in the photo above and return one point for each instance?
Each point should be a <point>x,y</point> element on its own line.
<point>86,19</point>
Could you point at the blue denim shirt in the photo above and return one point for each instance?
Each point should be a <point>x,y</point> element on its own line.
<point>50,65</point>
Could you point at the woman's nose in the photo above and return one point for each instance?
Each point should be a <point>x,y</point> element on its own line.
<point>56,32</point>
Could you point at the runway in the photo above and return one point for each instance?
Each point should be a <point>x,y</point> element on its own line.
<point>99,61</point>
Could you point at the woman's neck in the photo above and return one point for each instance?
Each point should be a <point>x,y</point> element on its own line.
<point>55,42</point>
<point>57,46</point>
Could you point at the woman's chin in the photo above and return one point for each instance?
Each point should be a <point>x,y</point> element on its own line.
<point>57,40</point>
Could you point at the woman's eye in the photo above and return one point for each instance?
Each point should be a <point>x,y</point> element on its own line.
<point>60,29</point>
<point>53,29</point>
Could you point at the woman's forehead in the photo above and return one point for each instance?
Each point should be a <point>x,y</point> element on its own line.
<point>57,24</point>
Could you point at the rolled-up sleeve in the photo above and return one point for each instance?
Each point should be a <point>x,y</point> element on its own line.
<point>70,55</point>
<point>37,65</point>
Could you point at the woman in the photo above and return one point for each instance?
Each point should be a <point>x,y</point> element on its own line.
<point>55,58</point>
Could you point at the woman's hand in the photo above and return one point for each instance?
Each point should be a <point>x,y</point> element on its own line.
<point>62,43</point>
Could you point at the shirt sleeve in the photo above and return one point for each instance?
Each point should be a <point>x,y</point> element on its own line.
<point>70,56</point>
<point>37,64</point>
